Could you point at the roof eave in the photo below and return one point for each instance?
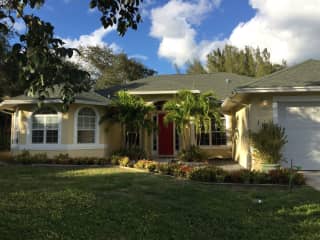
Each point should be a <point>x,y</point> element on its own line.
<point>159,92</point>
<point>278,89</point>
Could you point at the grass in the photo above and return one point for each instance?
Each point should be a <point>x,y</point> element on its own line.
<point>112,203</point>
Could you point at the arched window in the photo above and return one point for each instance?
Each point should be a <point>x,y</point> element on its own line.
<point>45,126</point>
<point>86,126</point>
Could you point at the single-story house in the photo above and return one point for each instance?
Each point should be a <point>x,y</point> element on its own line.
<point>289,97</point>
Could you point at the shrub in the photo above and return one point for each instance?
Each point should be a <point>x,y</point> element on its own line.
<point>146,164</point>
<point>240,176</point>
<point>24,157</point>
<point>123,161</point>
<point>115,159</point>
<point>183,171</point>
<point>206,174</point>
<point>168,168</point>
<point>192,154</point>
<point>284,175</point>
<point>134,153</point>
<point>62,159</point>
<point>268,142</point>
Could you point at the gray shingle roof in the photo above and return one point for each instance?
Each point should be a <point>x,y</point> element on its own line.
<point>84,96</point>
<point>301,75</point>
<point>221,83</point>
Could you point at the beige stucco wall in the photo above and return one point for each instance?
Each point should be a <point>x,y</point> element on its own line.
<point>111,137</point>
<point>256,110</point>
<point>241,142</point>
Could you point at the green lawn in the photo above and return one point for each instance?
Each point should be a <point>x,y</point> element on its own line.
<point>112,203</point>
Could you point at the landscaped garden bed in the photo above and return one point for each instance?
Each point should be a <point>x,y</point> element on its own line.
<point>199,171</point>
<point>210,173</point>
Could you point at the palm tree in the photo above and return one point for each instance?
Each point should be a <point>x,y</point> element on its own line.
<point>132,113</point>
<point>197,109</point>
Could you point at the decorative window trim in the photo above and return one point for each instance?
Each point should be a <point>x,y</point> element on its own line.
<point>30,123</point>
<point>97,126</point>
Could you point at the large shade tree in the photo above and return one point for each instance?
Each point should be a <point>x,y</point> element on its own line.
<point>111,68</point>
<point>39,56</point>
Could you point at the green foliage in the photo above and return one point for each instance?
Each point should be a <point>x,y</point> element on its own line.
<point>192,154</point>
<point>36,59</point>
<point>134,153</point>
<point>168,168</point>
<point>206,174</point>
<point>132,113</point>
<point>187,107</point>
<point>268,142</point>
<point>112,69</point>
<point>41,158</point>
<point>195,67</point>
<point>250,62</point>
<point>124,161</point>
<point>151,166</point>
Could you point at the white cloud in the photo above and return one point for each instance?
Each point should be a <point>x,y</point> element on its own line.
<point>19,26</point>
<point>290,29</point>
<point>173,24</point>
<point>93,39</point>
<point>96,38</point>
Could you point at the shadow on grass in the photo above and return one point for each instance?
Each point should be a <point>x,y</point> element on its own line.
<point>114,203</point>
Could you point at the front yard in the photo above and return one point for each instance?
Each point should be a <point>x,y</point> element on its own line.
<point>113,203</point>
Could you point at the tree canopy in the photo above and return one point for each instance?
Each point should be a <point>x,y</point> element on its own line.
<point>248,61</point>
<point>39,58</point>
<point>112,69</point>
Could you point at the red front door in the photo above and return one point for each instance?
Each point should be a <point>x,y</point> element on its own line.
<point>165,136</point>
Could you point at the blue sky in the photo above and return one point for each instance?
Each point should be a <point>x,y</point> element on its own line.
<point>177,31</point>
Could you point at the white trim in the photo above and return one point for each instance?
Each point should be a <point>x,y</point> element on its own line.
<point>205,147</point>
<point>311,98</point>
<point>33,101</point>
<point>75,127</point>
<point>159,92</point>
<point>278,89</point>
<point>29,127</point>
<point>57,147</point>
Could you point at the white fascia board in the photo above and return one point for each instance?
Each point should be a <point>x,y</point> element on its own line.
<point>33,101</point>
<point>278,89</point>
<point>159,92</point>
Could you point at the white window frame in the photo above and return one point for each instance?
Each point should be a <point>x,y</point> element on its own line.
<point>224,121</point>
<point>30,129</point>
<point>97,126</point>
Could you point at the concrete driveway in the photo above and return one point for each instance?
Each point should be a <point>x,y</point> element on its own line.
<point>313,179</point>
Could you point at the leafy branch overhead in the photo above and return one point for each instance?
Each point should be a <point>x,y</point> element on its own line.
<point>109,68</point>
<point>40,58</point>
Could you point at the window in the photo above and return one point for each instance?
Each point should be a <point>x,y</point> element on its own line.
<point>133,138</point>
<point>45,127</point>
<point>216,136</point>
<point>86,132</point>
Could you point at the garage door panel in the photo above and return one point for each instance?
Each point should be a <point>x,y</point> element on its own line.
<point>302,125</point>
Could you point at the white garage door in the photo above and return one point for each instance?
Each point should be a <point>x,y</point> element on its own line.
<point>302,125</point>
